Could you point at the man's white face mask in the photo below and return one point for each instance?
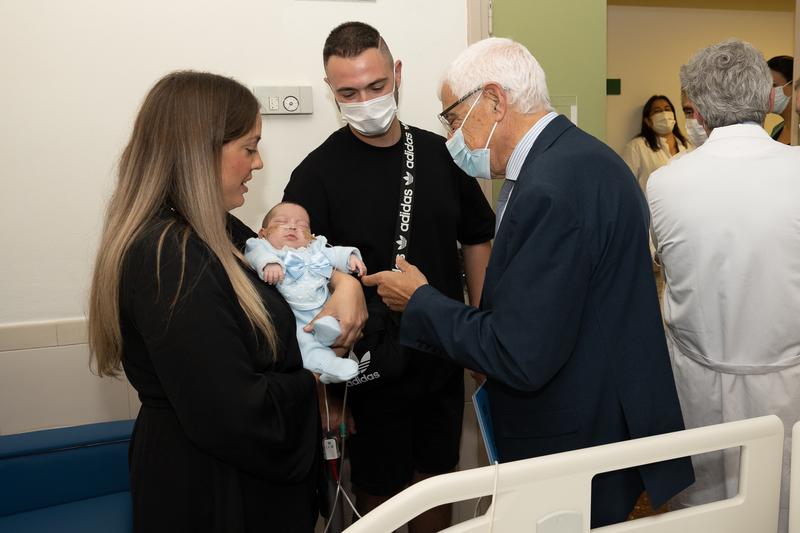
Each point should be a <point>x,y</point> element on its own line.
<point>697,134</point>
<point>779,99</point>
<point>373,117</point>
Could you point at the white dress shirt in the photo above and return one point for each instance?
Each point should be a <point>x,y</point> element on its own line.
<point>516,160</point>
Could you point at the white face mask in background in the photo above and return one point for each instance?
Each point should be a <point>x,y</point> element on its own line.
<point>697,134</point>
<point>779,99</point>
<point>663,122</point>
<point>373,117</point>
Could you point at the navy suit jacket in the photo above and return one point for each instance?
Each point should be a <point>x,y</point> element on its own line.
<point>569,332</point>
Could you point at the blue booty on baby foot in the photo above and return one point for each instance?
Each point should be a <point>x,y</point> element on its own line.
<point>327,330</point>
<point>338,369</point>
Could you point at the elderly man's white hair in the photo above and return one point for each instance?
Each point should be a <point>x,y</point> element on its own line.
<point>506,63</point>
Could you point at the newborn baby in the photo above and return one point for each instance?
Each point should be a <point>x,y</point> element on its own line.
<point>286,254</point>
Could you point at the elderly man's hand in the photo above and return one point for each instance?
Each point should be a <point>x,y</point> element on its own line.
<point>396,288</point>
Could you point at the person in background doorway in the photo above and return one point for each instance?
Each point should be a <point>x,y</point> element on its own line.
<point>726,222</point>
<point>696,133</point>
<point>781,68</point>
<point>659,139</point>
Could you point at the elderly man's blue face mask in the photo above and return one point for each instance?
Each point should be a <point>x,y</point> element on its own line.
<point>474,162</point>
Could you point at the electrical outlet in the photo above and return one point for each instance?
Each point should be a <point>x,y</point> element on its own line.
<point>285,100</point>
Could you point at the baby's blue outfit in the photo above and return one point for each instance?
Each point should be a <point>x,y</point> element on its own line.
<point>305,287</point>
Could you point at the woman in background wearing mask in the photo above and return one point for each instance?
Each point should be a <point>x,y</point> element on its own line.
<point>781,69</point>
<point>659,139</point>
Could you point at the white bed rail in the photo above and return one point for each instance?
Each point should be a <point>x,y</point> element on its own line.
<point>794,483</point>
<point>552,494</point>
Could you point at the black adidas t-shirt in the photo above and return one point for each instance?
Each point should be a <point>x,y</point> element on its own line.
<point>351,191</point>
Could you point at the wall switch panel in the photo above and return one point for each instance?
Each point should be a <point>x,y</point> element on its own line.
<point>285,100</point>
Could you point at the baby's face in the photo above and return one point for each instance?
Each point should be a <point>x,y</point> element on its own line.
<point>289,226</point>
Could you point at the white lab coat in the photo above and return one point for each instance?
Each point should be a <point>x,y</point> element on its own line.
<point>726,224</point>
<point>643,160</point>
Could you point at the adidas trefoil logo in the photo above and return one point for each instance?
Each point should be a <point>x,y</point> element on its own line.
<point>363,364</point>
<point>401,243</point>
<point>409,179</point>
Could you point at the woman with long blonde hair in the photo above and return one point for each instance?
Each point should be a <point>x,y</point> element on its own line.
<point>228,435</point>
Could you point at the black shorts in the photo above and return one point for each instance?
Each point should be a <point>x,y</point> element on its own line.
<point>402,432</point>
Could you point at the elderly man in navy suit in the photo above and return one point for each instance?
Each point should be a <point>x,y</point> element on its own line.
<point>568,332</point>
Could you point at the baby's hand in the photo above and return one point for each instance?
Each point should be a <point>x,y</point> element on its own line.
<point>357,266</point>
<point>273,273</point>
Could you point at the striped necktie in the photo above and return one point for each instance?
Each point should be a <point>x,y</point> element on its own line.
<point>502,200</point>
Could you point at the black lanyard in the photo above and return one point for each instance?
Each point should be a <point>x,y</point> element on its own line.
<point>402,234</point>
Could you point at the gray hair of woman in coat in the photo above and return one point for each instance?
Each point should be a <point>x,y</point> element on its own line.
<point>729,83</point>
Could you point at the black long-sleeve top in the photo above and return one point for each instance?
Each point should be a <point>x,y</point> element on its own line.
<point>228,435</point>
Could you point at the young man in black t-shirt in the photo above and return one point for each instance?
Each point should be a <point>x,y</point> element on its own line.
<point>352,186</point>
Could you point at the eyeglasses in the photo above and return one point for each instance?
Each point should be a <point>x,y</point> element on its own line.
<point>447,123</point>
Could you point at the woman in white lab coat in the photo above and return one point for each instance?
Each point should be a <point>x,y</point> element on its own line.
<point>659,139</point>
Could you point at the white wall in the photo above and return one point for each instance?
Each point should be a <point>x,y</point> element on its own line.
<point>648,45</point>
<point>74,73</point>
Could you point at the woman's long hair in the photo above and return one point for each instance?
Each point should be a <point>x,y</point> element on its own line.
<point>649,134</point>
<point>173,160</point>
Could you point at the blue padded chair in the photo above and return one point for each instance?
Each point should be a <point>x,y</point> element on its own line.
<point>72,479</point>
